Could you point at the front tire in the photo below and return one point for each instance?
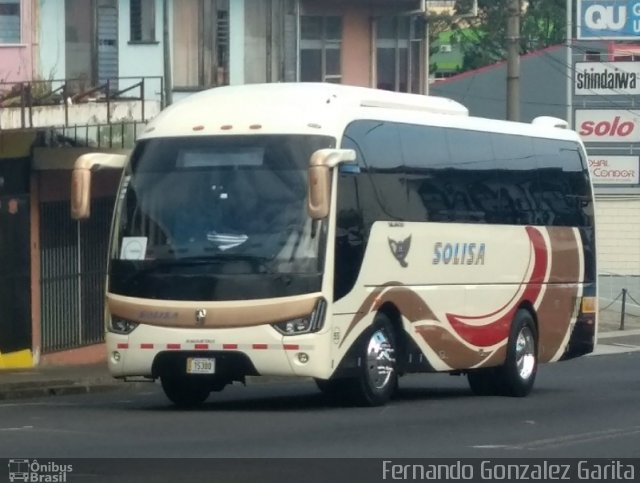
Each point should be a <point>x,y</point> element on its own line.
<point>377,377</point>
<point>184,391</point>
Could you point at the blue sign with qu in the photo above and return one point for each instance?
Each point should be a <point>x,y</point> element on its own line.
<point>608,19</point>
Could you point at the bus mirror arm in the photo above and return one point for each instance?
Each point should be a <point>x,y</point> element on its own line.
<point>81,179</point>
<point>319,179</point>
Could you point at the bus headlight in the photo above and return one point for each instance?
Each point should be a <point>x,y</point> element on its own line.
<point>122,326</point>
<point>304,325</point>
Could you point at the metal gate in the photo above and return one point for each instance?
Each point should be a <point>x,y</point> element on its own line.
<point>73,261</point>
<point>15,274</point>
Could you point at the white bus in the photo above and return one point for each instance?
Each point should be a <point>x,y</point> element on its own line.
<point>349,235</point>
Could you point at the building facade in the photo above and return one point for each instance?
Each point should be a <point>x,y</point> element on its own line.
<point>60,96</point>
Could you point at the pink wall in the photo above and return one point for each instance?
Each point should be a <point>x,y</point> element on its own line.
<point>356,36</point>
<point>16,60</point>
<point>357,16</point>
<point>356,52</point>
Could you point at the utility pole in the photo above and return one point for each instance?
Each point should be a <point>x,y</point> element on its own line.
<point>166,49</point>
<point>513,60</point>
<point>427,56</point>
<point>569,62</point>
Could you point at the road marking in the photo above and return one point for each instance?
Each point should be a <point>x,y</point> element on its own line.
<point>490,446</point>
<point>566,440</point>
<point>22,428</point>
<point>22,404</point>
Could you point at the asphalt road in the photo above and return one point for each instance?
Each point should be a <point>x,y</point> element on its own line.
<point>589,407</point>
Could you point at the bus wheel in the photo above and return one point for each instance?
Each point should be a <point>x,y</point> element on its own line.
<point>517,375</point>
<point>378,377</point>
<point>185,392</point>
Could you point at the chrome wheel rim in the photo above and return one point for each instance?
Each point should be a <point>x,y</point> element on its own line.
<point>525,353</point>
<point>380,360</point>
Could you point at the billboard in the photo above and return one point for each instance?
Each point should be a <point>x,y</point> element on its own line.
<point>608,125</point>
<point>610,78</point>
<point>606,169</point>
<point>608,19</point>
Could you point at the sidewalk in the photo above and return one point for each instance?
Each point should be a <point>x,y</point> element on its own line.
<point>55,381</point>
<point>79,379</point>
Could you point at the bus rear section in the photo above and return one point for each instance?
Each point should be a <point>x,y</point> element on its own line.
<point>474,240</point>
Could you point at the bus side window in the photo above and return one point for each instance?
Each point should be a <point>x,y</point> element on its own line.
<point>426,160</point>
<point>562,184</point>
<point>382,183</point>
<point>515,173</point>
<point>472,158</point>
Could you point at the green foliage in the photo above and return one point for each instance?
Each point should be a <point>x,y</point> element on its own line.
<point>542,24</point>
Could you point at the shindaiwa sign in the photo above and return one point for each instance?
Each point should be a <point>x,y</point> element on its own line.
<point>608,19</point>
<point>607,78</point>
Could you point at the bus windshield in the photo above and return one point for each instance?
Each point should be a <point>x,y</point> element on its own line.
<point>217,218</point>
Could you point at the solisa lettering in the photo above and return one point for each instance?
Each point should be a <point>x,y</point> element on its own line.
<point>606,128</point>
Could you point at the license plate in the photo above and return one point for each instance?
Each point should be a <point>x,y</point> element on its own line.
<point>198,365</point>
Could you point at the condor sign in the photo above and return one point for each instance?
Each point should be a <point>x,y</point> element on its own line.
<point>608,126</point>
<point>614,169</point>
<point>608,19</point>
<point>614,78</point>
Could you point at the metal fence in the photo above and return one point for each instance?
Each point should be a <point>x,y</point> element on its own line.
<point>619,301</point>
<point>28,95</point>
<point>73,270</point>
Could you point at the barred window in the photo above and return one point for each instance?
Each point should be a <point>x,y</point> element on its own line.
<point>9,21</point>
<point>143,20</point>
<point>320,49</point>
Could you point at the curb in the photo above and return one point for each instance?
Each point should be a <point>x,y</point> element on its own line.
<point>67,387</point>
<point>26,390</point>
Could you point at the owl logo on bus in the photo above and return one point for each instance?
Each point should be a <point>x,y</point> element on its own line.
<point>400,250</point>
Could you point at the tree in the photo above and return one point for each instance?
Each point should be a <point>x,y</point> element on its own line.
<point>484,43</point>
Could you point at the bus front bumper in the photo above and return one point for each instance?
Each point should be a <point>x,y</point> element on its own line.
<point>237,352</point>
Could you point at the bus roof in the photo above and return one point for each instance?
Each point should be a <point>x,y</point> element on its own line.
<point>311,108</point>
<point>321,109</point>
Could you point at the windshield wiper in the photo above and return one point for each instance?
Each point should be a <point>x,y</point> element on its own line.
<point>256,261</point>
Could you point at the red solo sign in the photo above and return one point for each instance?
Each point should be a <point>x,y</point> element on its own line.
<point>614,169</point>
<point>608,126</point>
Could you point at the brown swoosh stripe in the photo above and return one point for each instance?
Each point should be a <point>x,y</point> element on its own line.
<point>408,302</point>
<point>455,354</point>
<point>557,306</point>
<point>497,358</point>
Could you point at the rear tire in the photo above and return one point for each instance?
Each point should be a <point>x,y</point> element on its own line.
<point>516,376</point>
<point>184,391</point>
<point>518,373</point>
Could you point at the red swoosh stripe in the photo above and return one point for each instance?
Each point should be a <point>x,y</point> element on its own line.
<point>490,334</point>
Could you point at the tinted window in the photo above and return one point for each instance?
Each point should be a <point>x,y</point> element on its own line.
<point>513,180</point>
<point>380,158</point>
<point>562,192</point>
<point>426,154</point>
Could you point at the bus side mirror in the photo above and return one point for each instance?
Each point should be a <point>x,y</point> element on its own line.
<point>80,194</point>
<point>81,180</point>
<point>319,179</point>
